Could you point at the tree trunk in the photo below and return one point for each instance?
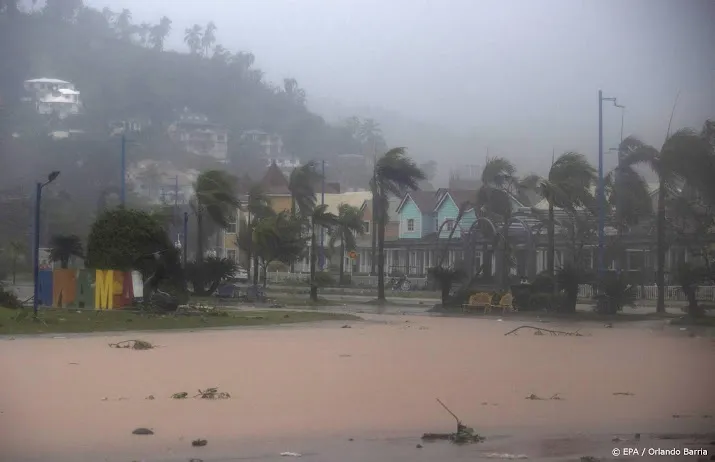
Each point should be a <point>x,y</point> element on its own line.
<point>249,251</point>
<point>342,262</point>
<point>313,258</point>
<point>660,273</point>
<point>381,257</point>
<point>265,274</point>
<point>199,235</point>
<point>255,270</point>
<point>292,214</point>
<point>373,260</point>
<point>552,241</point>
<point>505,270</point>
<point>14,267</point>
<point>693,308</point>
<point>64,263</point>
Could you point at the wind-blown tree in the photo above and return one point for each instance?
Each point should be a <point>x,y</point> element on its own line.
<point>278,238</point>
<point>349,225</point>
<point>496,201</point>
<point>64,247</point>
<point>159,32</point>
<point>208,38</point>
<point>123,24</point>
<point>259,209</point>
<point>395,174</point>
<point>669,165</point>
<point>301,185</point>
<point>215,197</point>
<point>16,249</point>
<point>320,218</point>
<point>221,54</point>
<point>143,32</point>
<point>192,38</point>
<point>205,276</point>
<point>293,91</point>
<point>567,186</point>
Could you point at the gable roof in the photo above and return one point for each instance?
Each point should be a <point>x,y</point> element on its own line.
<point>459,197</point>
<point>424,200</point>
<point>274,182</point>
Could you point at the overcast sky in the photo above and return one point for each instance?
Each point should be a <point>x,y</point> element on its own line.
<point>522,74</point>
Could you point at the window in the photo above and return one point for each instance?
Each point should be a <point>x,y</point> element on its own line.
<point>410,224</point>
<point>231,254</point>
<point>449,225</point>
<point>366,227</point>
<point>232,224</point>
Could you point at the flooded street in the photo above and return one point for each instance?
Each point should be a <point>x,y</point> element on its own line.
<point>311,389</point>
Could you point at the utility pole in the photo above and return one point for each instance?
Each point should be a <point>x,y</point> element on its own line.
<point>124,175</point>
<point>373,187</point>
<point>186,233</point>
<point>601,191</point>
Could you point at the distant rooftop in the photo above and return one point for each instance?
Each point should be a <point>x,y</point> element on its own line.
<point>46,80</point>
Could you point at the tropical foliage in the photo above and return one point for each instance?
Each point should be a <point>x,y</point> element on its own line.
<point>278,238</point>
<point>64,247</point>
<point>349,225</point>
<point>206,275</point>
<point>320,219</point>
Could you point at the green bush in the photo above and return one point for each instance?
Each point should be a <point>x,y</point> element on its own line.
<point>8,299</point>
<point>616,293</point>
<point>324,279</point>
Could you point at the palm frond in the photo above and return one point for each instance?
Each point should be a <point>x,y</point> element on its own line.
<point>498,171</point>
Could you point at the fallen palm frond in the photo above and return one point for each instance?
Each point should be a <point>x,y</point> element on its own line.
<point>463,434</point>
<point>541,331</point>
<point>212,393</point>
<point>180,395</point>
<point>133,344</point>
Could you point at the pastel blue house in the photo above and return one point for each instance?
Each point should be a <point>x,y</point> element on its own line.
<point>447,210</point>
<point>417,214</point>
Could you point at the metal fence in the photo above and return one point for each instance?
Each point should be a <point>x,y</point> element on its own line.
<point>649,292</point>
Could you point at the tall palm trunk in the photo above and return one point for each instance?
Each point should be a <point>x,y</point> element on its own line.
<point>249,251</point>
<point>381,256</point>
<point>292,214</point>
<point>313,259</point>
<point>199,235</point>
<point>660,230</point>
<point>342,261</point>
<point>505,267</point>
<point>373,261</point>
<point>255,270</point>
<point>551,231</point>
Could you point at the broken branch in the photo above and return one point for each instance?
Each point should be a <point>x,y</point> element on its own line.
<point>540,331</point>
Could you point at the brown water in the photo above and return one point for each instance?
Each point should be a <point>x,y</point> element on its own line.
<point>309,389</point>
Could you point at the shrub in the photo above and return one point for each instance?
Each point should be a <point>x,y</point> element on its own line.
<point>543,283</point>
<point>323,279</point>
<point>616,293</point>
<point>8,299</point>
<point>569,277</point>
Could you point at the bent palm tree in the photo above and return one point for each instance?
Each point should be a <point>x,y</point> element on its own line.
<point>259,208</point>
<point>320,218</point>
<point>496,199</point>
<point>64,247</point>
<point>669,165</point>
<point>567,186</point>
<point>215,196</point>
<point>349,224</point>
<point>192,38</point>
<point>395,174</point>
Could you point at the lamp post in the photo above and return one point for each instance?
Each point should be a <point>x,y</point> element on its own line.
<point>601,192</point>
<point>36,245</point>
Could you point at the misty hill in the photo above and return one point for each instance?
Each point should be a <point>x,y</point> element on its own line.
<point>122,72</point>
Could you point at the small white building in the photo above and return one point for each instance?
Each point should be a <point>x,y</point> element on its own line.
<point>53,96</point>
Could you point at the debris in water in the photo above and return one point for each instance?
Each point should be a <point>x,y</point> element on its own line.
<point>623,393</point>
<point>556,397</point>
<point>463,435</point>
<point>74,364</point>
<point>496,455</point>
<point>196,460</point>
<point>133,344</point>
<point>346,327</point>
<point>419,446</point>
<point>212,393</point>
<point>199,442</point>
<point>142,431</point>
<point>290,454</point>
<point>150,397</point>
<point>637,437</point>
<point>534,397</point>
<point>590,459</point>
<point>541,331</point>
<point>180,395</point>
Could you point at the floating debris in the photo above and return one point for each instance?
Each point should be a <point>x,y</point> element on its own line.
<point>133,344</point>
<point>181,395</point>
<point>346,327</point>
<point>534,397</point>
<point>290,454</point>
<point>212,393</point>
<point>541,331</point>
<point>150,397</point>
<point>463,435</point>
<point>199,442</point>
<point>496,455</point>
<point>556,396</point>
<point>142,431</point>
<point>623,393</point>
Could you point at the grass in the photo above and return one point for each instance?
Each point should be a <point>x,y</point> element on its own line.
<point>707,321</point>
<point>577,316</point>
<point>14,322</point>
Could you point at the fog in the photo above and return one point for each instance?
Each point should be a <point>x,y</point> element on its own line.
<point>520,78</point>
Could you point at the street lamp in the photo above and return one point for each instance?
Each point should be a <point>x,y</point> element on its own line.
<point>601,191</point>
<point>36,264</point>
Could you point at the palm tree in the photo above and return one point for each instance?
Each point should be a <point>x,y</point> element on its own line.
<point>301,185</point>
<point>496,200</point>
<point>124,24</point>
<point>320,218</point>
<point>64,247</point>
<point>214,195</point>
<point>349,225</point>
<point>16,249</point>
<point>209,37</point>
<point>259,208</point>
<point>192,38</point>
<point>671,166</point>
<point>143,30</point>
<point>159,32</point>
<point>395,173</point>
<point>567,186</point>
<point>221,54</point>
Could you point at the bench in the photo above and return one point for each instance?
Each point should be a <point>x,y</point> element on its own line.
<point>479,300</point>
<point>506,303</point>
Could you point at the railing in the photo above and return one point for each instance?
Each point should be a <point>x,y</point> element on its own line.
<point>650,292</point>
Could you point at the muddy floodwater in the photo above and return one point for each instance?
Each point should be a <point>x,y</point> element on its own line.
<point>365,393</point>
